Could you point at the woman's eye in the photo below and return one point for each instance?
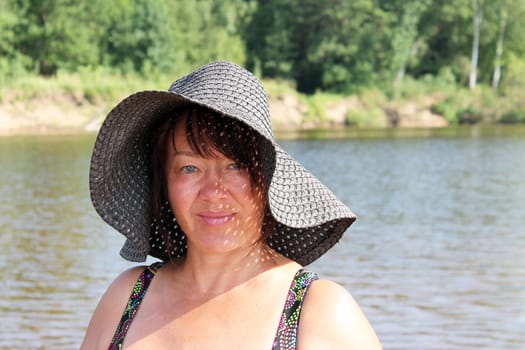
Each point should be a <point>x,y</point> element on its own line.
<point>235,166</point>
<point>188,169</point>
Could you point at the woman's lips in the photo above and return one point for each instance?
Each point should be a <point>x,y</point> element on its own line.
<point>216,219</point>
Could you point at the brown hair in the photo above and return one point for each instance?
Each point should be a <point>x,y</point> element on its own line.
<point>208,133</point>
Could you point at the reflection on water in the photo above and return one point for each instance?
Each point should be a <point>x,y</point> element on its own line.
<point>436,258</point>
<point>50,241</point>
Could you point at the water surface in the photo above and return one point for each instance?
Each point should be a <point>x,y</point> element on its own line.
<point>436,259</point>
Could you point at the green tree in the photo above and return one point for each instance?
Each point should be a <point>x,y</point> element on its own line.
<point>205,31</point>
<point>446,30</point>
<point>12,62</point>
<point>403,32</point>
<point>503,16</point>
<point>331,45</point>
<point>349,45</point>
<point>138,36</point>
<point>268,37</point>
<point>504,28</point>
<point>55,33</point>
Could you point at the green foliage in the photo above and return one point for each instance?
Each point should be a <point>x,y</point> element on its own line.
<point>370,112</point>
<point>447,109</point>
<point>98,86</point>
<point>268,37</point>
<point>404,38</point>
<point>454,100</point>
<point>372,117</point>
<point>404,48</point>
<point>463,106</point>
<point>13,63</point>
<point>48,32</point>
<point>317,105</point>
<point>205,31</point>
<point>138,37</point>
<point>329,45</point>
<point>513,117</point>
<point>514,79</point>
<point>129,36</point>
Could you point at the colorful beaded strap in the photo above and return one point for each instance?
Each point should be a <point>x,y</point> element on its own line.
<point>286,338</point>
<point>139,290</point>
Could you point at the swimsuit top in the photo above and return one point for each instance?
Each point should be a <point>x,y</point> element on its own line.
<point>285,339</point>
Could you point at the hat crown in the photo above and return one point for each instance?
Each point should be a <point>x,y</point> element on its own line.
<point>228,89</point>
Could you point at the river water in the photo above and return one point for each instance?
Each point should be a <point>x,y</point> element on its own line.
<point>436,259</point>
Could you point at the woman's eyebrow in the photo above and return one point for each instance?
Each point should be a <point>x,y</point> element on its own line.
<point>186,153</point>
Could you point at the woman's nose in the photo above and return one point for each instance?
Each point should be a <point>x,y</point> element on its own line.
<point>213,185</point>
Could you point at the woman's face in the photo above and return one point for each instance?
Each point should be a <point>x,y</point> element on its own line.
<point>213,199</point>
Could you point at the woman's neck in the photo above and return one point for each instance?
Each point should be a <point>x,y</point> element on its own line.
<point>213,274</point>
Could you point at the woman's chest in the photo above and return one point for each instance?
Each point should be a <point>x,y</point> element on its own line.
<point>247,320</point>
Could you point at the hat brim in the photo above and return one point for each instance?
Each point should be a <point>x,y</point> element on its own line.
<point>310,218</point>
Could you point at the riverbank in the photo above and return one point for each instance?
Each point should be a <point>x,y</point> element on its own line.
<point>73,103</point>
<point>56,114</point>
<point>66,112</point>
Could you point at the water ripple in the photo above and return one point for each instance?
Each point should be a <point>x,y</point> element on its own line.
<point>436,258</point>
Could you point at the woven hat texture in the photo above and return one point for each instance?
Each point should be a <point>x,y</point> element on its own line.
<point>310,219</point>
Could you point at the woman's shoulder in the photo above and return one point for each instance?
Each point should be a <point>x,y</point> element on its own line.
<point>109,310</point>
<point>332,319</point>
<point>118,292</point>
<point>125,280</point>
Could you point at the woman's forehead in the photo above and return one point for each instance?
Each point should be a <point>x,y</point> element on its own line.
<point>181,143</point>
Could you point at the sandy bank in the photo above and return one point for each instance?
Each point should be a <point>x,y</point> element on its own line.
<point>65,114</point>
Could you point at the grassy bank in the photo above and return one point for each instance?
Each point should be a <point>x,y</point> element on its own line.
<point>80,101</point>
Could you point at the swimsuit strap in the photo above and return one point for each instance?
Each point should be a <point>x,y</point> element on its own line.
<point>286,338</point>
<point>134,301</point>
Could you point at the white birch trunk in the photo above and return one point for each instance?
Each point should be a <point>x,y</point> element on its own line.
<point>496,77</point>
<point>477,6</point>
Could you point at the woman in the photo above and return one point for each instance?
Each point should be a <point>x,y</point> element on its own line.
<point>193,177</point>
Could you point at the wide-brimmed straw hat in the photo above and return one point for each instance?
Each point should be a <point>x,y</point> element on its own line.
<point>310,219</point>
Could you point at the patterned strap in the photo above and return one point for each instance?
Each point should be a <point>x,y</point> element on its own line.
<point>286,338</point>
<point>134,301</point>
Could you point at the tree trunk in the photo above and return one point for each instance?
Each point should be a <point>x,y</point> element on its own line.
<point>477,6</point>
<point>402,70</point>
<point>499,45</point>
